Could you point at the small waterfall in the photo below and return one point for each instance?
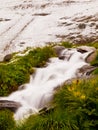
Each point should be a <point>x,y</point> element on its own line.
<point>39,91</point>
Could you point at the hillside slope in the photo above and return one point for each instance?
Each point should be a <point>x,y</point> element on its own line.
<point>25,23</point>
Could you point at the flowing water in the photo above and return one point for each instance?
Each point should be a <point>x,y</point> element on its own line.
<point>39,91</point>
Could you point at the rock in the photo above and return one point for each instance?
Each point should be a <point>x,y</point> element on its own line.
<point>58,49</point>
<point>11,105</point>
<point>91,56</point>
<point>81,26</point>
<point>81,50</point>
<point>86,48</point>
<point>8,57</point>
<point>42,14</point>
<point>22,42</point>
<point>86,70</point>
<point>62,57</point>
<point>92,24</point>
<point>83,40</point>
<point>97,26</point>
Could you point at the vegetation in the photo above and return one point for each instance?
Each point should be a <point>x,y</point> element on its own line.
<point>93,44</point>
<point>67,44</point>
<point>17,72</point>
<point>6,120</point>
<point>79,104</point>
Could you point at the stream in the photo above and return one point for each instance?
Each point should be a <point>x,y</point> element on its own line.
<point>37,94</point>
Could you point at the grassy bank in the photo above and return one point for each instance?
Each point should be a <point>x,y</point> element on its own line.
<point>16,73</point>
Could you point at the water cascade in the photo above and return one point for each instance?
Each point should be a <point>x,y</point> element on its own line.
<point>36,94</point>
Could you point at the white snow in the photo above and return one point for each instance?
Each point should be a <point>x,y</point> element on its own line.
<point>38,22</point>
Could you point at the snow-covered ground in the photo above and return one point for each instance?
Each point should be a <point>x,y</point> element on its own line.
<point>25,23</point>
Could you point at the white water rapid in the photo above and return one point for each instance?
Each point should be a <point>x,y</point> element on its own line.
<point>39,91</point>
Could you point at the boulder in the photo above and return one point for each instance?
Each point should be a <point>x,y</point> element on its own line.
<point>91,56</point>
<point>82,26</point>
<point>8,57</point>
<point>11,105</point>
<point>58,49</point>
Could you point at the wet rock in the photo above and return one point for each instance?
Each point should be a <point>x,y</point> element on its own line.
<point>58,49</point>
<point>91,56</point>
<point>86,70</point>
<point>81,50</point>
<point>8,57</point>
<point>62,57</point>
<point>11,105</point>
<point>86,48</point>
